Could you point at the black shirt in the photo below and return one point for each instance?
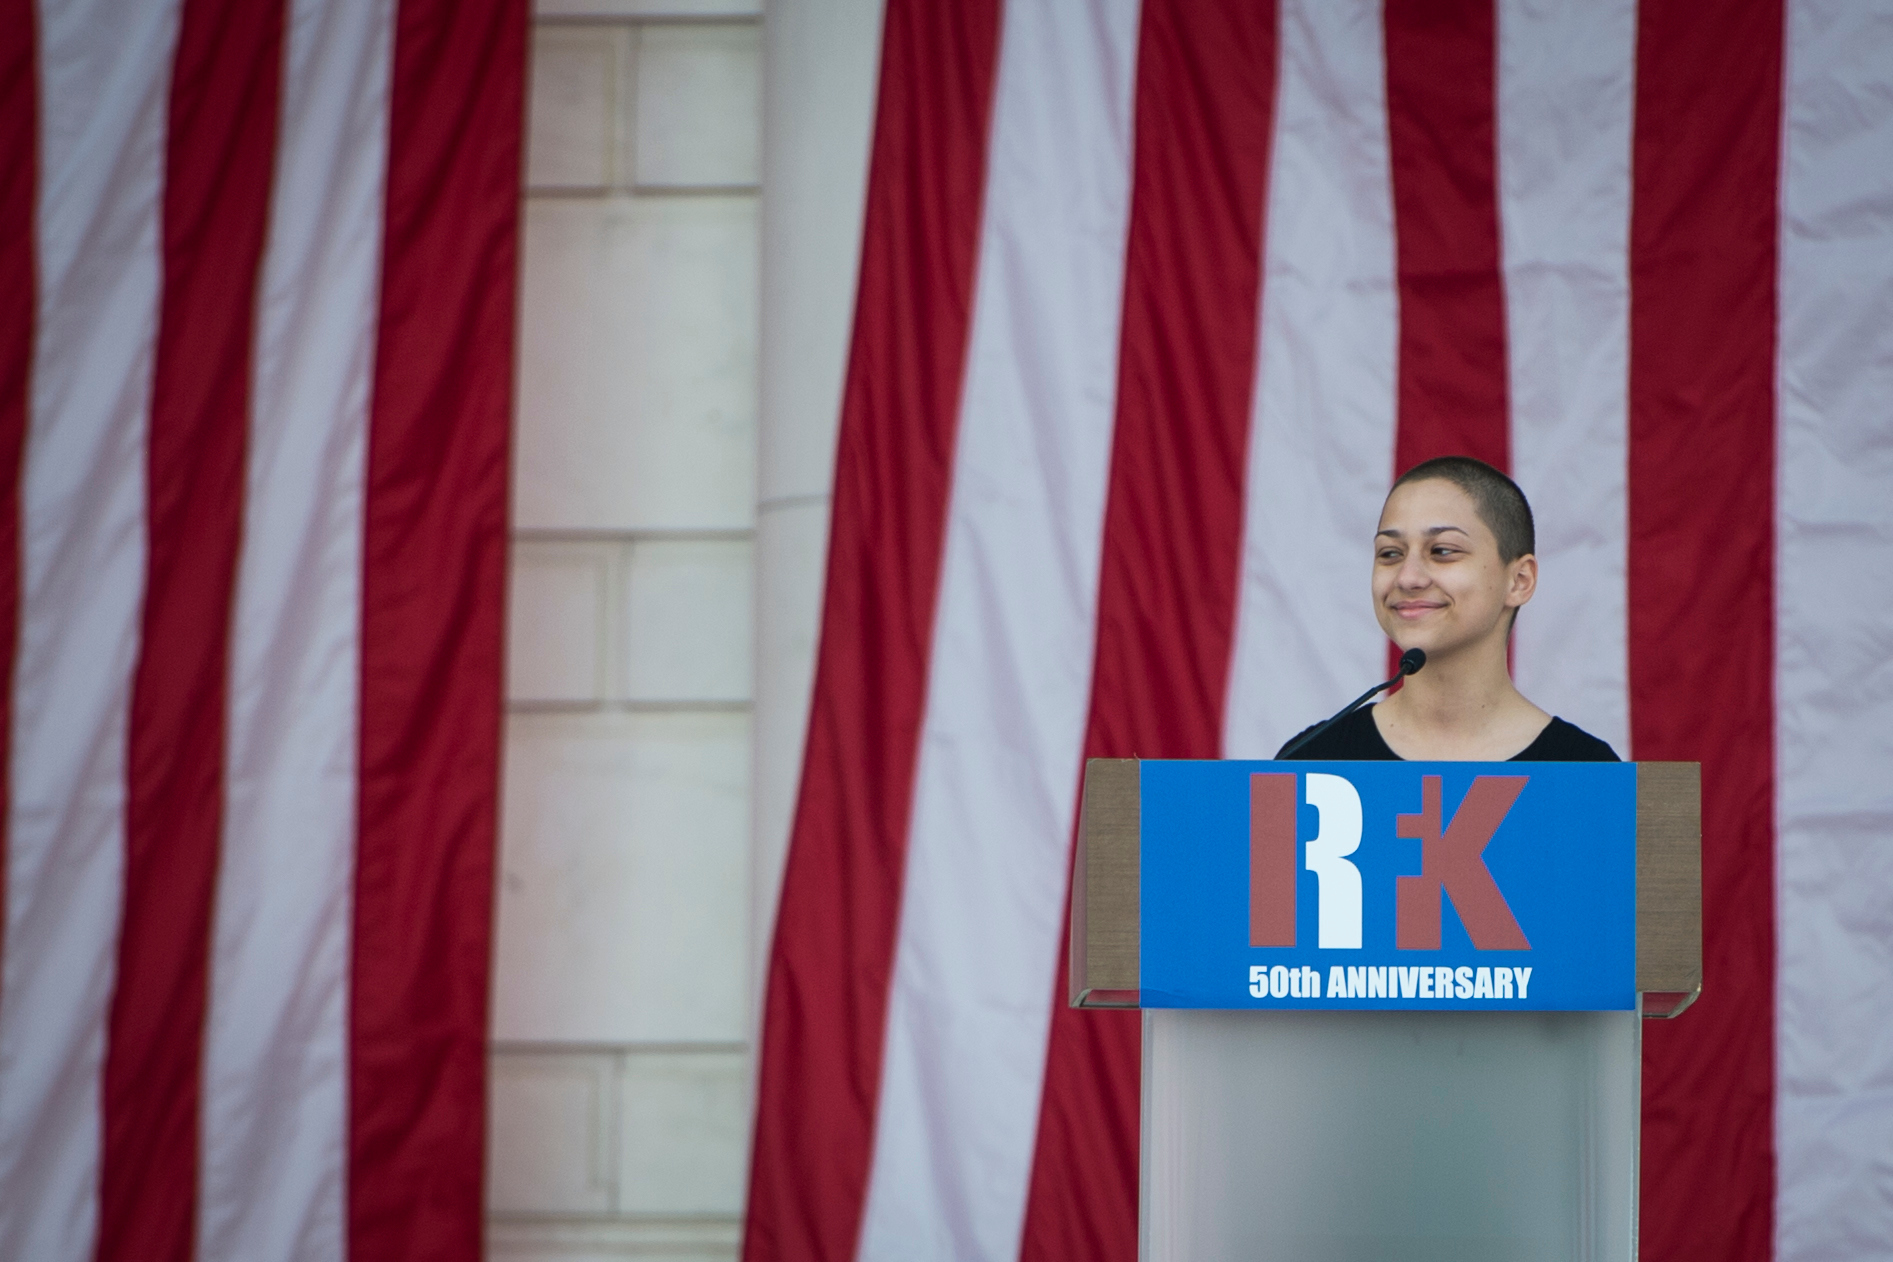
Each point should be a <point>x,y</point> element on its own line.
<point>1357,738</point>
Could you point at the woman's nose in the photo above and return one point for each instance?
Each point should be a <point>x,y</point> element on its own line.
<point>1413,573</point>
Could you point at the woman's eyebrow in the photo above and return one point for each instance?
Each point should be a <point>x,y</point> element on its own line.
<point>1394,533</point>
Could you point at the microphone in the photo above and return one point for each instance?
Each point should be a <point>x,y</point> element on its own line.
<point>1410,663</point>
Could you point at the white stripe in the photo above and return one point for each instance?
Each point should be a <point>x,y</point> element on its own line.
<point>275,1103</point>
<point>1834,654</point>
<point>983,906</point>
<point>103,103</point>
<point>1321,446</point>
<point>1565,88</point>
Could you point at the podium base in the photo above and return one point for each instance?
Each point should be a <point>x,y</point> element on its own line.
<point>1365,1136</point>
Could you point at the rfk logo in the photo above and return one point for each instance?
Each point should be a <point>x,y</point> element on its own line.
<point>1452,863</point>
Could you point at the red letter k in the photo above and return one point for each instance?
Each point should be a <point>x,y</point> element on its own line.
<point>1452,862</point>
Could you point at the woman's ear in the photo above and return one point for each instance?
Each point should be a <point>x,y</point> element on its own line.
<point>1521,581</point>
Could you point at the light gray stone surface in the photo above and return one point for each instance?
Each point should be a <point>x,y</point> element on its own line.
<point>637,370</point>
<point>620,1064</point>
<point>698,117</point>
<point>623,901</point>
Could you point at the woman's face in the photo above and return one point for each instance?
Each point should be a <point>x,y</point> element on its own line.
<point>1439,584</point>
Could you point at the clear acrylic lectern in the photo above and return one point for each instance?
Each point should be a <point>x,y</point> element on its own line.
<point>1387,1132</point>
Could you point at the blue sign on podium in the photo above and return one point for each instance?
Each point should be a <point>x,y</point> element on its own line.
<point>1341,885</point>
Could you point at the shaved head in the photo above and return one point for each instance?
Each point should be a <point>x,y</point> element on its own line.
<point>1497,499</point>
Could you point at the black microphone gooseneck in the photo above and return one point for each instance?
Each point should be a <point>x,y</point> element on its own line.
<point>1410,663</point>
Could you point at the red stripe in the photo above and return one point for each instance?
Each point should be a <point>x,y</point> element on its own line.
<point>1442,137</point>
<point>433,591</point>
<point>1701,586</point>
<point>833,956</point>
<point>1172,531</point>
<point>221,135</point>
<point>19,171</point>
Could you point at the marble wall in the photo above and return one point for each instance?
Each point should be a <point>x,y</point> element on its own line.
<point>622,985</point>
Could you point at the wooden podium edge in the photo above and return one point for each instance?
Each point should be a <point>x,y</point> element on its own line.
<point>1669,885</point>
<point>1105,962</point>
<point>1106,898</point>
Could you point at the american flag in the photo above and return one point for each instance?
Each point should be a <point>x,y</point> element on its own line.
<point>256,328</point>
<point>1154,302</point>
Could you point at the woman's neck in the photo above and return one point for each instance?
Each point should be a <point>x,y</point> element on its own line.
<point>1462,706</point>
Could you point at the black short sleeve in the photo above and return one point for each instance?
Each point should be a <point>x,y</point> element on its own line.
<point>1354,739</point>
<point>1357,739</point>
<point>1566,742</point>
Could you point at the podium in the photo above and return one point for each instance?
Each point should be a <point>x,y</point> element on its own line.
<point>1391,1010</point>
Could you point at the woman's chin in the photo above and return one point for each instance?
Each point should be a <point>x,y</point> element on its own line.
<point>1440,644</point>
<point>1435,641</point>
<point>1404,635</point>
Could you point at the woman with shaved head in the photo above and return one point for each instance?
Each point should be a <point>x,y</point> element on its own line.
<point>1453,565</point>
